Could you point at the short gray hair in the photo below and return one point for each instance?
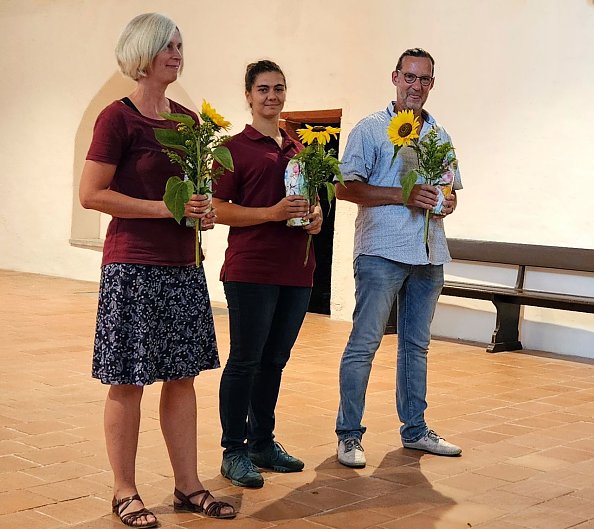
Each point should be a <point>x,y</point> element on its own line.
<point>140,42</point>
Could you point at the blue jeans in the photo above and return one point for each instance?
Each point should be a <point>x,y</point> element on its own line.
<point>264,321</point>
<point>378,283</point>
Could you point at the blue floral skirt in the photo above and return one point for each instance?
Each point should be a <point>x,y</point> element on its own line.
<point>153,323</point>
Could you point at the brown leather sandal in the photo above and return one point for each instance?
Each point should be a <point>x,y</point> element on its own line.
<point>212,510</point>
<point>130,518</point>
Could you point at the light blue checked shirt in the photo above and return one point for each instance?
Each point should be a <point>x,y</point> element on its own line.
<point>394,232</point>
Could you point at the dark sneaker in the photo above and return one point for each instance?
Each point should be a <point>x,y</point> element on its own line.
<point>276,458</point>
<point>240,470</point>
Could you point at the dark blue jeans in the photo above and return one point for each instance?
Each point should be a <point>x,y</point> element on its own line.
<point>264,321</point>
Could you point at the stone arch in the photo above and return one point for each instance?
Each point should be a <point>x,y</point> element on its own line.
<point>88,227</point>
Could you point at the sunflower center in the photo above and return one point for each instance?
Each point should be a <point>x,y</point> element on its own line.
<point>318,128</point>
<point>404,130</point>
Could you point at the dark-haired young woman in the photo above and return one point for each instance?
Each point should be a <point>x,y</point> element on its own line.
<point>266,285</point>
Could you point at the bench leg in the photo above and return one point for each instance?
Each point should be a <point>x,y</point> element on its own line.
<point>506,334</point>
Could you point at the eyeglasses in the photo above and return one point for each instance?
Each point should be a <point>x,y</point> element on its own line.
<point>410,78</point>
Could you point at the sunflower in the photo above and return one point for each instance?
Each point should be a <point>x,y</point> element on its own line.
<point>403,128</point>
<point>210,113</point>
<point>319,133</point>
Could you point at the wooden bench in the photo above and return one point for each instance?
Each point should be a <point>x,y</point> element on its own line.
<point>509,300</point>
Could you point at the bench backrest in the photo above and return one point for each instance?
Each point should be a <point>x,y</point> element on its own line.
<point>533,255</point>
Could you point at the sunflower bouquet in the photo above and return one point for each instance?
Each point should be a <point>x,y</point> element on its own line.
<point>436,160</point>
<point>312,169</point>
<point>194,147</point>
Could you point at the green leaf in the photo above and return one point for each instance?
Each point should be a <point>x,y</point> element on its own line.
<point>222,155</point>
<point>177,193</point>
<point>408,182</point>
<point>338,175</point>
<point>396,149</point>
<point>331,191</point>
<point>170,138</point>
<point>179,118</point>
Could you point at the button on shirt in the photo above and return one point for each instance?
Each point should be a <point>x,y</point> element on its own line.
<point>393,232</point>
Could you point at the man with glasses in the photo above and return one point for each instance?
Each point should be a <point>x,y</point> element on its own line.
<point>392,262</point>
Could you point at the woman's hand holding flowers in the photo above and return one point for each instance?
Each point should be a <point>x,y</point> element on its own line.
<point>200,207</point>
<point>315,220</point>
<point>290,207</point>
<point>209,221</point>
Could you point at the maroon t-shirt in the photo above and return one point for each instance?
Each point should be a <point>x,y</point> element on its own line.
<point>269,253</point>
<point>125,138</point>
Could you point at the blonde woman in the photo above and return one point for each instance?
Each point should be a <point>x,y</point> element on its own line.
<point>154,321</point>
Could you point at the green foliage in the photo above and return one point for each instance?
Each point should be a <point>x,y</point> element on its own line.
<point>433,157</point>
<point>171,138</point>
<point>434,160</point>
<point>177,193</point>
<point>396,151</point>
<point>194,147</point>
<point>319,169</point>
<point>223,156</point>
<point>179,118</point>
<point>408,182</point>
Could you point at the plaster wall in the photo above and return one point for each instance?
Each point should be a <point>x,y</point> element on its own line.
<point>514,80</point>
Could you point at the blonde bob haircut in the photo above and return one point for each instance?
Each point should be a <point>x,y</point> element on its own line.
<point>140,42</point>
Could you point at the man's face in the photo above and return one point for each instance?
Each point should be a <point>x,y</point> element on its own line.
<point>412,96</point>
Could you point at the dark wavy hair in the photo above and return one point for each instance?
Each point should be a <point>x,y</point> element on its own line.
<point>256,68</point>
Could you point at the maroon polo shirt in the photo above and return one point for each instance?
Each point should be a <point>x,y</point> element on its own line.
<point>269,253</point>
<point>126,139</point>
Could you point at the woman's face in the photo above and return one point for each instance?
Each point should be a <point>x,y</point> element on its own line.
<point>267,96</point>
<point>168,61</point>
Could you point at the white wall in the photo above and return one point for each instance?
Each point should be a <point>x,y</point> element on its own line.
<point>514,84</point>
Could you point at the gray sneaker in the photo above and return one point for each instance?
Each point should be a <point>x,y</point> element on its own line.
<point>351,453</point>
<point>241,471</point>
<point>434,444</point>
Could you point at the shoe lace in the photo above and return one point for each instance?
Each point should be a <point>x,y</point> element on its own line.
<point>244,464</point>
<point>279,447</point>
<point>280,454</point>
<point>432,434</point>
<point>352,444</point>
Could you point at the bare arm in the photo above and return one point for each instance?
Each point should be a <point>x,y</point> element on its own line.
<point>291,207</point>
<point>94,193</point>
<point>422,196</point>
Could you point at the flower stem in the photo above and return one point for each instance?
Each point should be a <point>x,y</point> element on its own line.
<point>307,250</point>
<point>198,227</point>
<point>426,231</point>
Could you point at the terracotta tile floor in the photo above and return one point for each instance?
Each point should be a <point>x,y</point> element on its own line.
<point>525,422</point>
